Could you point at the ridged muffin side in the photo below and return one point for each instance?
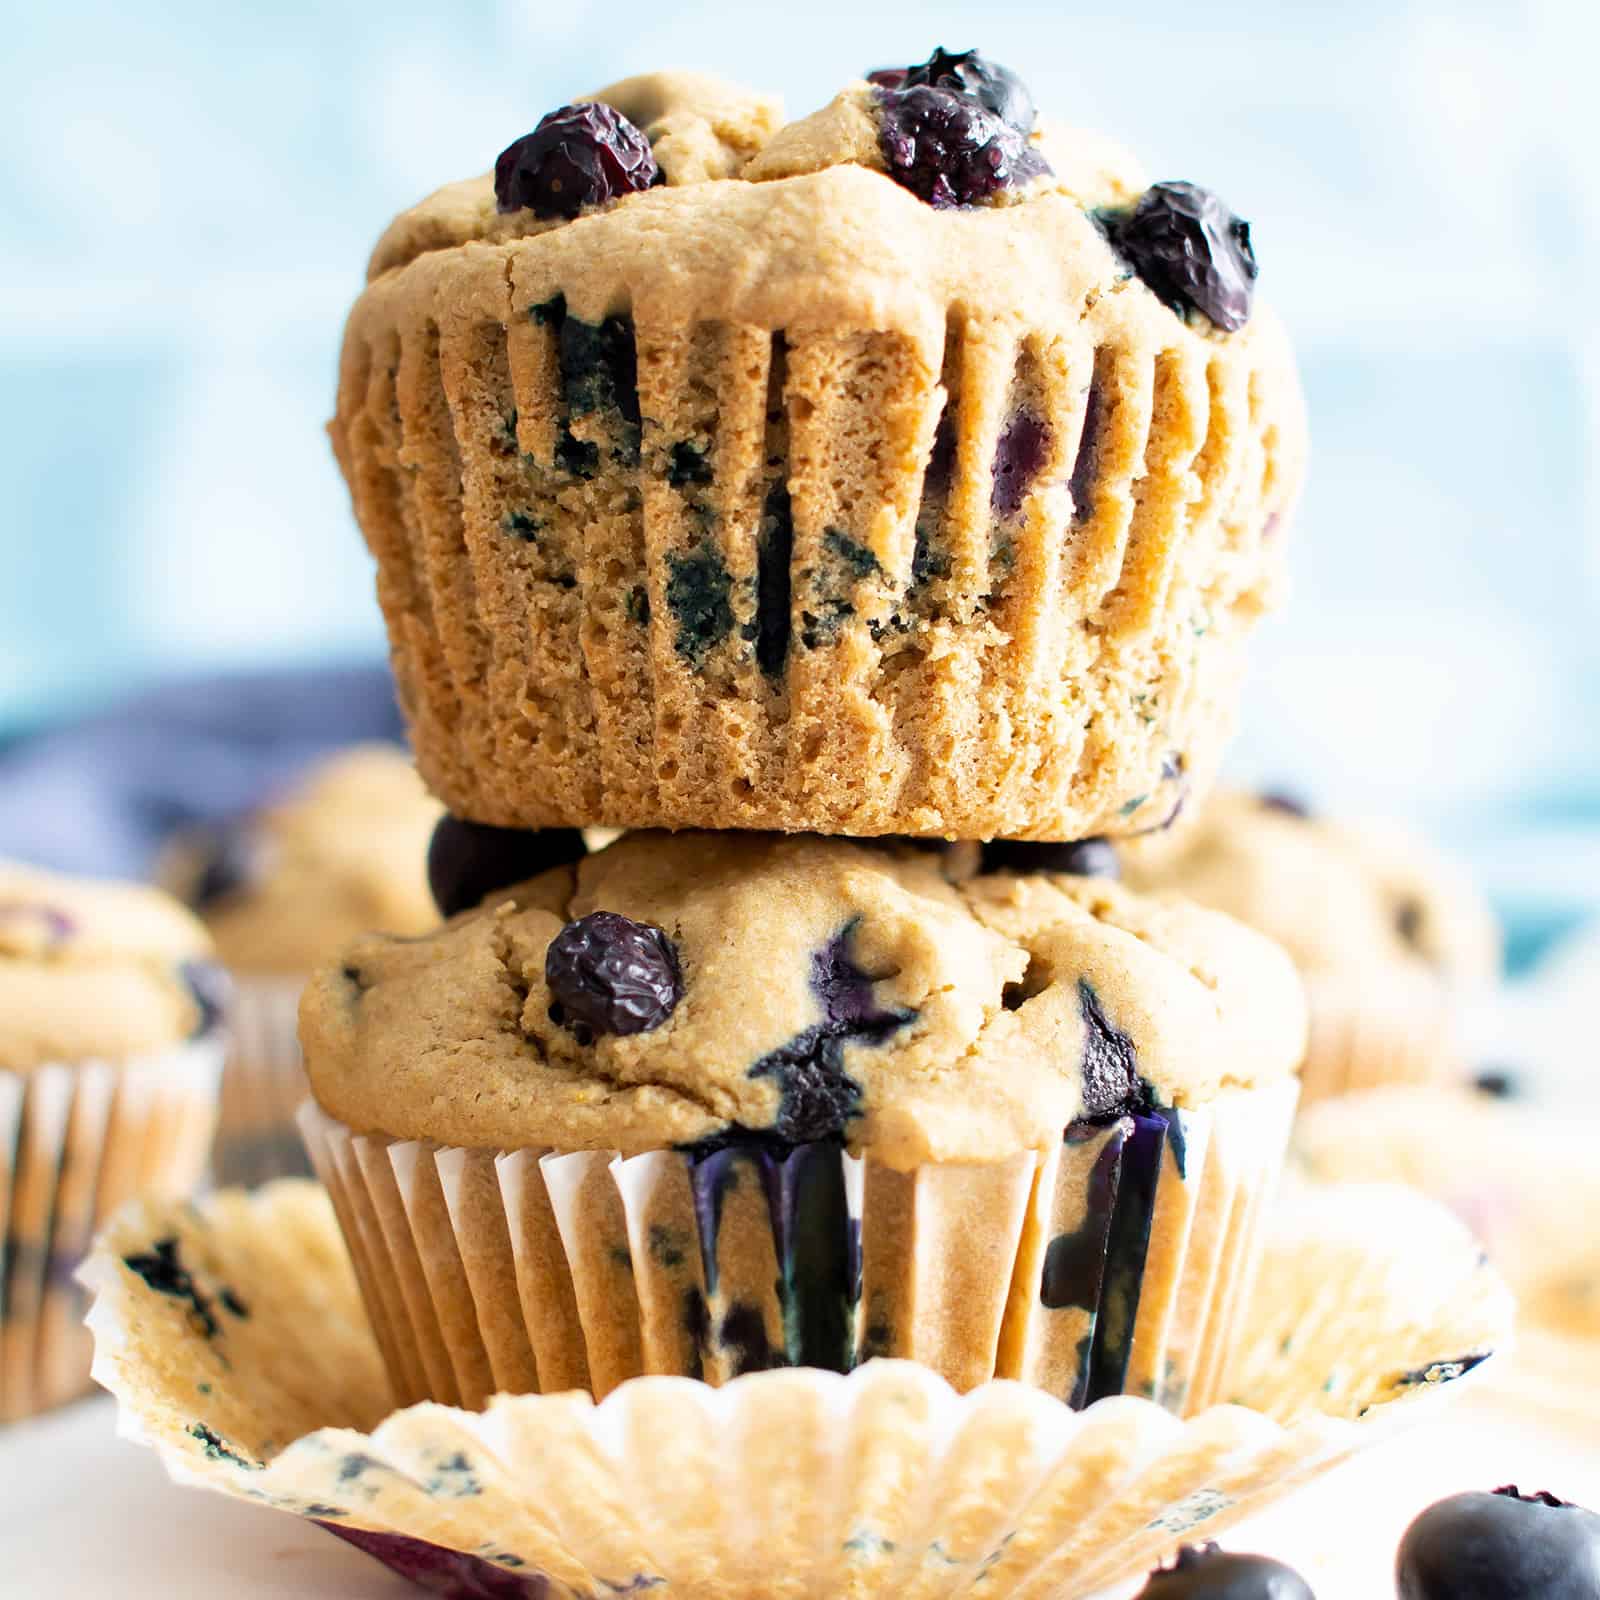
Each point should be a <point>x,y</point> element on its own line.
<point>801,505</point>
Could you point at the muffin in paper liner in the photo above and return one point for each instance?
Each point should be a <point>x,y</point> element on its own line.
<point>1119,1264</point>
<point>1376,1027</point>
<point>77,1141</point>
<point>263,1083</point>
<point>259,1378</point>
<point>776,498</point>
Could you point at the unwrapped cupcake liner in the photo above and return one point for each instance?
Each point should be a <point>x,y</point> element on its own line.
<point>262,1085</point>
<point>1375,1305</point>
<point>77,1141</point>
<point>1119,1264</point>
<point>1379,1027</point>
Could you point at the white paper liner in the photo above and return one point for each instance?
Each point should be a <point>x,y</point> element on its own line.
<point>534,1271</point>
<point>887,1482</point>
<point>1380,1027</point>
<point>262,1085</point>
<point>77,1142</point>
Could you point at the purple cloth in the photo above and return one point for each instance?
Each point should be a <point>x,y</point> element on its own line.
<point>100,795</point>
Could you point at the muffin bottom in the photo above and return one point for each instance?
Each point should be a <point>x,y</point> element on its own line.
<point>1119,1263</point>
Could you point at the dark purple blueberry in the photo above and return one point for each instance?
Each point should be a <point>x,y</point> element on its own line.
<point>1190,249</point>
<point>582,155</point>
<point>1206,1572</point>
<point>610,974</point>
<point>229,857</point>
<point>212,988</point>
<point>1291,805</point>
<point>949,150</point>
<point>468,860</point>
<point>1499,1083</point>
<point>1501,1546</point>
<point>449,1572</point>
<point>1110,1060</point>
<point>1018,457</point>
<point>966,72</point>
<point>1084,858</point>
<point>817,1097</point>
<point>1409,917</point>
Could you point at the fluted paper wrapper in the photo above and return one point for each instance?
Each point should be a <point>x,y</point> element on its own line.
<point>1376,1028</point>
<point>886,1482</point>
<point>262,1085</point>
<point>1119,1264</point>
<point>77,1141</point>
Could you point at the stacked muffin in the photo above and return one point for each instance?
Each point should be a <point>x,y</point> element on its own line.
<point>887,497</point>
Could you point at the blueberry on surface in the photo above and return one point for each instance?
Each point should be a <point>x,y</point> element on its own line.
<point>228,858</point>
<point>1083,858</point>
<point>468,860</point>
<point>950,150</point>
<point>1500,1546</point>
<point>1110,1060</point>
<point>1205,1572</point>
<point>1190,249</point>
<point>610,974</point>
<point>581,155</point>
<point>995,88</point>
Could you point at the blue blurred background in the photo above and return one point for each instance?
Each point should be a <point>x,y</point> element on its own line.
<point>188,193</point>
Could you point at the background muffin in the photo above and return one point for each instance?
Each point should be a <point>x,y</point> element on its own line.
<point>280,890</point>
<point>753,477</point>
<point>110,1046</point>
<point>1389,936</point>
<point>764,1101</point>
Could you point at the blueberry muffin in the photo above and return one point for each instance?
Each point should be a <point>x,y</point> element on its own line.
<point>715,1102</point>
<point>1389,936</point>
<point>282,889</point>
<point>917,467</point>
<point>110,1047</point>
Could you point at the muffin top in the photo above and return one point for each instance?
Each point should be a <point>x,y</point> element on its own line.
<point>676,989</point>
<point>92,970</point>
<point>1338,897</point>
<point>285,887</point>
<point>930,186</point>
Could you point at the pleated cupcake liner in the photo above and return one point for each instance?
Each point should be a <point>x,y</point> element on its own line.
<point>255,1374</point>
<point>1374,1028</point>
<point>262,1085</point>
<point>1119,1264</point>
<point>77,1141</point>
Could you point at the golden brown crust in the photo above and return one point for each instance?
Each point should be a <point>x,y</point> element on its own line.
<point>450,1037</point>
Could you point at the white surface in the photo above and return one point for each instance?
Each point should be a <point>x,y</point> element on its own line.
<point>85,1514</point>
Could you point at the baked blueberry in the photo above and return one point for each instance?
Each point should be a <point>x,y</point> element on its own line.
<point>995,88</point>
<point>1083,858</point>
<point>228,858</point>
<point>582,155</point>
<point>949,149</point>
<point>610,974</point>
<point>1205,1572</point>
<point>1501,1546</point>
<point>468,860</point>
<point>1291,805</point>
<point>1111,1084</point>
<point>1191,250</point>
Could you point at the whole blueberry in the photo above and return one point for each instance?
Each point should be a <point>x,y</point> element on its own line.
<point>1083,858</point>
<point>1206,1572</point>
<point>468,860</point>
<point>1191,250</point>
<point>229,857</point>
<point>995,88</point>
<point>949,149</point>
<point>610,974</point>
<point>1501,1546</point>
<point>578,156</point>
